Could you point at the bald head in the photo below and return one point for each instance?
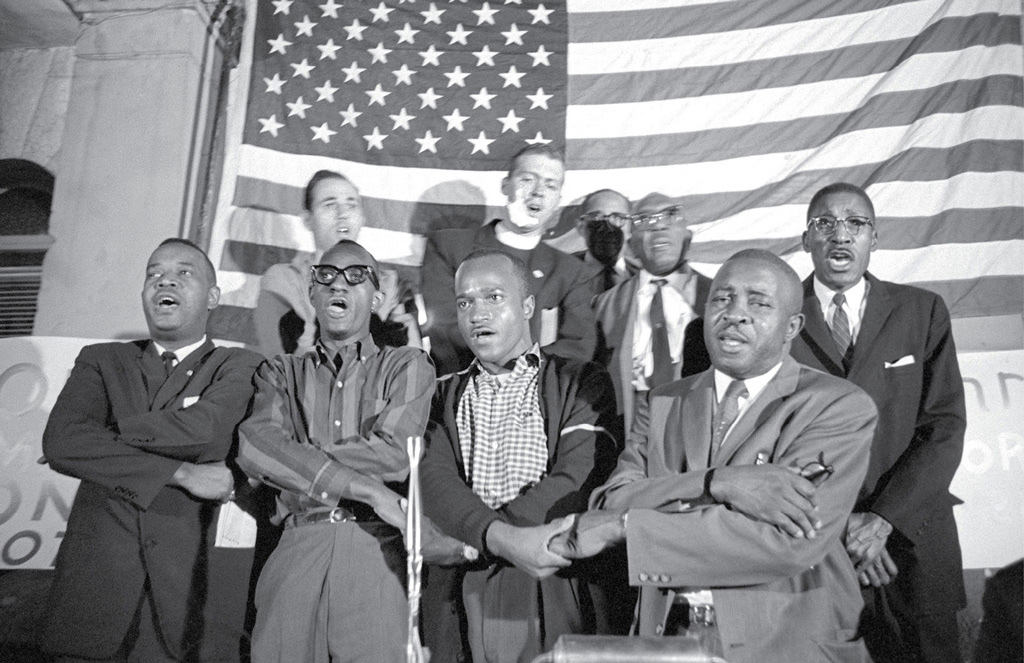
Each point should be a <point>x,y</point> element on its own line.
<point>790,288</point>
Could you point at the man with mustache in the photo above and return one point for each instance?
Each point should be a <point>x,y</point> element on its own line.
<point>649,327</point>
<point>563,286</point>
<point>735,486</point>
<point>518,439</point>
<point>148,427</point>
<point>896,343</point>
<point>326,429</point>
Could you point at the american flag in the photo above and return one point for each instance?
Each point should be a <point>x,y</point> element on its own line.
<point>744,108</point>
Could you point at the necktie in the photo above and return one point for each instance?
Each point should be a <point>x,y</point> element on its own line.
<point>664,370</point>
<point>609,277</point>
<point>725,415</point>
<point>168,358</point>
<point>841,327</point>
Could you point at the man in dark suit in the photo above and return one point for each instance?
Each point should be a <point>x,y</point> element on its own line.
<point>723,477</point>
<point>649,327</point>
<point>895,342</point>
<point>148,427</point>
<point>562,285</point>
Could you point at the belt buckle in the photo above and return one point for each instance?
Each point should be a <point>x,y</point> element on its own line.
<point>337,515</point>
<point>703,615</point>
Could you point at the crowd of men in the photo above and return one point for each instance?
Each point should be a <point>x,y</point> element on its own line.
<point>616,444</point>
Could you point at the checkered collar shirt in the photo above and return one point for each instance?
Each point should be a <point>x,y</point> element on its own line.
<point>501,431</point>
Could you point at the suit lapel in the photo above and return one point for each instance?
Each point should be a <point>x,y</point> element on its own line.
<point>816,331</point>
<point>695,413</point>
<point>783,384</point>
<point>180,377</point>
<point>627,318</point>
<point>876,312</point>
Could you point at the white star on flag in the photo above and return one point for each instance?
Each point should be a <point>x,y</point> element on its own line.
<point>510,122</point>
<point>298,107</point>
<point>402,119</point>
<point>485,55</point>
<point>429,98</point>
<point>279,45</point>
<point>432,15</point>
<point>328,49</point>
<point>428,143</point>
<point>274,84</point>
<point>380,13</point>
<point>512,77</point>
<point>379,53</point>
<point>406,34</point>
<point>375,140</point>
<point>323,132</point>
<point>539,100</point>
<point>540,14</point>
<point>330,9</point>
<point>282,6</point>
<point>485,14</point>
<point>455,120</point>
<point>303,68</point>
<point>349,115</point>
<point>514,35</point>
<point>326,91</point>
<point>457,77</point>
<point>539,139</point>
<point>540,56</point>
<point>270,125</point>
<point>482,99</point>
<point>481,143</point>
<point>355,31</point>
<point>377,95</point>
<point>459,35</point>
<point>403,75</point>
<point>305,27</point>
<point>431,56</point>
<point>353,71</point>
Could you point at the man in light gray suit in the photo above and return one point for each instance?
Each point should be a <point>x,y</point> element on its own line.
<point>720,474</point>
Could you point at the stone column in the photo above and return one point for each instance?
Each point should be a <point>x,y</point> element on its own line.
<point>131,158</point>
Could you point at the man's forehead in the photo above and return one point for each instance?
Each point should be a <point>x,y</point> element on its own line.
<point>541,164</point>
<point>607,200</point>
<point>177,253</point>
<point>346,256</point>
<point>843,200</point>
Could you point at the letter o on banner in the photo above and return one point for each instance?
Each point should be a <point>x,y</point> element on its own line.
<point>16,559</point>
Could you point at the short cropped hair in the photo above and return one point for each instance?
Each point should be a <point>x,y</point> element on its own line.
<point>840,187</point>
<point>539,149</point>
<point>210,271</point>
<point>790,279</point>
<point>593,194</point>
<point>520,272</point>
<point>318,177</point>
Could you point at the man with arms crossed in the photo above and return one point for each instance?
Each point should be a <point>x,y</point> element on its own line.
<point>326,429</point>
<point>147,427</point>
<point>894,342</point>
<point>709,498</point>
<point>518,439</point>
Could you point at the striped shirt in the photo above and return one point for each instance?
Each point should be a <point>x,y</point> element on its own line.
<point>501,431</point>
<point>318,420</point>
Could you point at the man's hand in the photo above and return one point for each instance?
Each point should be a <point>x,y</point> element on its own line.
<point>527,547</point>
<point>591,533</point>
<point>209,481</point>
<point>771,494</point>
<point>439,548</point>
<point>881,572</point>
<point>866,536</point>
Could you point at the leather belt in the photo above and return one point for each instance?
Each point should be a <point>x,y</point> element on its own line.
<point>350,512</point>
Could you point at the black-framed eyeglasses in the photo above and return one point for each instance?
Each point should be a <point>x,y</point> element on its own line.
<point>353,274</point>
<point>615,219</point>
<point>670,216</point>
<point>827,224</point>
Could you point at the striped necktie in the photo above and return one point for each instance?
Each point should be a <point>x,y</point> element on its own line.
<point>726,413</point>
<point>841,327</point>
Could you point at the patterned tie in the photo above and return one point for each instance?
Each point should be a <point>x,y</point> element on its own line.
<point>841,327</point>
<point>726,413</point>
<point>664,369</point>
<point>168,358</point>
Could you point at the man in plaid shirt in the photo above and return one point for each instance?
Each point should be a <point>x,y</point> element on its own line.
<point>518,439</point>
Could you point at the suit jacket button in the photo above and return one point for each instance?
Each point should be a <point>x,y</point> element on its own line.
<point>644,577</point>
<point>659,629</point>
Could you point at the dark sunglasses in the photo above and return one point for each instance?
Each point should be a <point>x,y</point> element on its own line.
<point>353,274</point>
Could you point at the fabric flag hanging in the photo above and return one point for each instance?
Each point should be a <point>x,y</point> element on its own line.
<point>743,108</point>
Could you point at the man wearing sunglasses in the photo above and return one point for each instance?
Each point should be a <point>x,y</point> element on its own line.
<point>327,428</point>
<point>604,224</point>
<point>895,342</point>
<point>649,327</point>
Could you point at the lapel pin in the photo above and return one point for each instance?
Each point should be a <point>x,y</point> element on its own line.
<point>538,274</point>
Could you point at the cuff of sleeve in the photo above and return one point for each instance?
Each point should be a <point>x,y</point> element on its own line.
<point>328,484</point>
